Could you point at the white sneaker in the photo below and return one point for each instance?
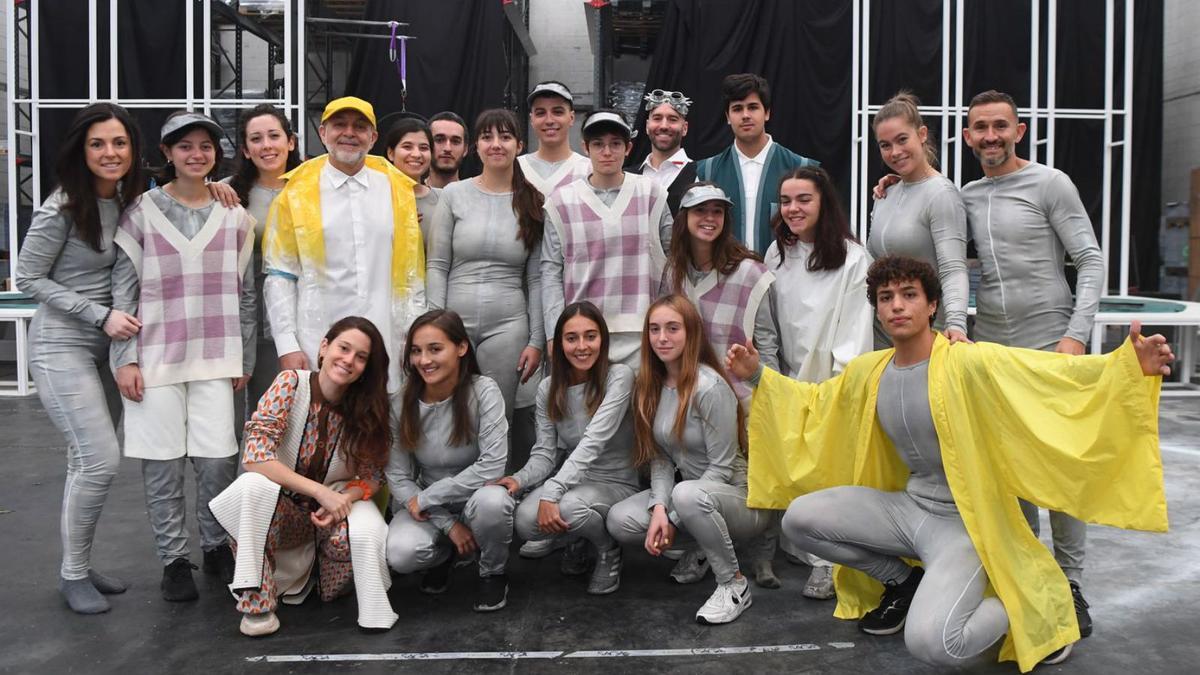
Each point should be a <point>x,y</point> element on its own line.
<point>691,568</point>
<point>258,625</point>
<point>820,584</point>
<point>1057,656</point>
<point>726,603</point>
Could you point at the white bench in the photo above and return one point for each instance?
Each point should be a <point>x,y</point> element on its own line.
<point>18,308</point>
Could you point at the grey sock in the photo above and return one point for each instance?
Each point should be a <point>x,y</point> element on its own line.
<point>106,584</point>
<point>82,597</point>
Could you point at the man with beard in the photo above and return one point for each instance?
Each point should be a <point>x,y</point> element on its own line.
<point>342,239</point>
<point>751,168</point>
<point>1023,216</point>
<point>449,148</point>
<point>668,163</point>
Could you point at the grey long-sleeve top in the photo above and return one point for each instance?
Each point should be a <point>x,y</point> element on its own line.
<point>600,446</point>
<point>926,220</point>
<point>1022,223</point>
<point>426,207</point>
<point>475,256</point>
<point>62,271</point>
<point>552,258</point>
<point>441,475</point>
<point>904,415</point>
<point>126,288</point>
<point>709,449</point>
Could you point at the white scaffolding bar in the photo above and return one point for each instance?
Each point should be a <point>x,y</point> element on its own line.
<point>1043,112</point>
<point>189,50</point>
<point>206,21</point>
<point>35,92</point>
<point>1127,149</point>
<point>93,51</point>
<point>10,107</point>
<point>114,38</point>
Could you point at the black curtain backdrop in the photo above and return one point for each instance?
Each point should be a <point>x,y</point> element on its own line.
<point>459,60</point>
<point>462,57</point>
<point>151,61</point>
<point>803,48</point>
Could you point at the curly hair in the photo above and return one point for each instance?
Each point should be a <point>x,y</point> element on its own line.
<point>893,268</point>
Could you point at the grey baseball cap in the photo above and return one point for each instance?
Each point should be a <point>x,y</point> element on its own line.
<point>609,118</point>
<point>190,119</point>
<point>550,89</point>
<point>699,194</point>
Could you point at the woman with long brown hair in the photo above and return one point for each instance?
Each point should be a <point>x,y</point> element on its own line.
<point>582,411</point>
<point>484,257</point>
<point>688,420</point>
<point>316,448</point>
<point>66,266</point>
<point>823,314</point>
<point>452,443</point>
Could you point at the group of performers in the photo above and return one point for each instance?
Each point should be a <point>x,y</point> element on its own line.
<point>688,349</point>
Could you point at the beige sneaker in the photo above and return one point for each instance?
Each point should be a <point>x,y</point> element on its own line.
<point>259,625</point>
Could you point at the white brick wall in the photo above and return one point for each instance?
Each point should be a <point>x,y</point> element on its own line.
<point>1181,97</point>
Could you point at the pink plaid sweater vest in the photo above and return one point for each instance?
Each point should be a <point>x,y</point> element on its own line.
<point>728,306</point>
<point>189,292</point>
<point>612,256</point>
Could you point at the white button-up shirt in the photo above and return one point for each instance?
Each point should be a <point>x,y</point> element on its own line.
<point>752,170</point>
<point>666,172</point>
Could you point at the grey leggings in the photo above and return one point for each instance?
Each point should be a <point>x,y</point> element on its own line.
<point>584,507</point>
<point>714,514</point>
<point>69,364</point>
<point>166,505</point>
<point>414,545</point>
<point>1070,539</point>
<point>950,623</point>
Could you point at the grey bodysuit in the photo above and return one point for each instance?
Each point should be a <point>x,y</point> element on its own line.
<point>479,268</point>
<point>950,621</point>
<point>427,206</point>
<point>1022,223</point>
<point>926,220</point>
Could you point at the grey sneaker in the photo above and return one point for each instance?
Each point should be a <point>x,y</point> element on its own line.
<point>726,603</point>
<point>820,584</point>
<point>540,548</point>
<point>691,568</point>
<point>606,576</point>
<point>764,574</point>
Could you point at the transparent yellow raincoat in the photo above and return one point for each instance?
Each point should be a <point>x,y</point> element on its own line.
<point>1077,434</point>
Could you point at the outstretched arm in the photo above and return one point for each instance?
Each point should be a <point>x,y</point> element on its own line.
<point>1153,352</point>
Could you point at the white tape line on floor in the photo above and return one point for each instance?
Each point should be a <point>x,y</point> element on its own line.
<point>581,654</point>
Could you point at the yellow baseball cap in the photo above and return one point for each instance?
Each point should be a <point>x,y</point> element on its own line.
<point>349,103</point>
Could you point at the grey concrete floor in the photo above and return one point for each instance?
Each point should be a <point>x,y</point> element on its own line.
<point>1144,589</point>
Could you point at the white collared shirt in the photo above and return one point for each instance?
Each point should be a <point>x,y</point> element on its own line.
<point>752,170</point>
<point>666,172</point>
<point>356,217</point>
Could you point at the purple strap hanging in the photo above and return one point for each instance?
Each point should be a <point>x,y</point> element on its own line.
<point>401,62</point>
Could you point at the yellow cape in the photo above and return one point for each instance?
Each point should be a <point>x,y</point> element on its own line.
<point>295,230</point>
<point>1077,434</point>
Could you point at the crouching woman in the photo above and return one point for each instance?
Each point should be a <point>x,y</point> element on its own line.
<point>315,452</point>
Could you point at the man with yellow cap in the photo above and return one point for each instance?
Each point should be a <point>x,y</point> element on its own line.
<point>342,239</point>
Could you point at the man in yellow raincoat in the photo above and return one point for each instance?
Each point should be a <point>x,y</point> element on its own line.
<point>921,452</point>
<point>342,239</point>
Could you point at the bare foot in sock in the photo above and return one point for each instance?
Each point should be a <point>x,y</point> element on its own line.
<point>106,584</point>
<point>82,597</point>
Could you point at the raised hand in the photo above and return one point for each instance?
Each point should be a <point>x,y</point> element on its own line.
<point>742,360</point>
<point>1153,352</point>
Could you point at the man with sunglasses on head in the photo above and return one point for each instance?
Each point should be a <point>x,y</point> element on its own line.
<point>668,163</point>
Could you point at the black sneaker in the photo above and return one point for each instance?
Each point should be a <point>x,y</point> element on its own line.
<point>219,562</point>
<point>491,593</point>
<point>576,559</point>
<point>437,579</point>
<point>177,582</point>
<point>888,617</point>
<point>1081,611</point>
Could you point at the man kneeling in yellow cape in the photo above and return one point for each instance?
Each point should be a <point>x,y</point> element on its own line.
<point>921,452</point>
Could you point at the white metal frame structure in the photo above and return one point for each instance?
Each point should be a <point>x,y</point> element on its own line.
<point>31,104</point>
<point>1041,115</point>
